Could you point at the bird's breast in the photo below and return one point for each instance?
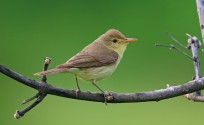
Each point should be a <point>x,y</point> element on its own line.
<point>96,73</point>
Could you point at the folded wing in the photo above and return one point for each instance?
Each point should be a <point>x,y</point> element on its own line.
<point>101,56</point>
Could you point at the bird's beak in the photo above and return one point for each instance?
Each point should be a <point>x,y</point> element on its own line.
<point>128,40</point>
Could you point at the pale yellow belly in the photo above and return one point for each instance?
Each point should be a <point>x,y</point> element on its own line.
<point>94,73</point>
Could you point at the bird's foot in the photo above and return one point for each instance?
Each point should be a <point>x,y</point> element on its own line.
<point>108,96</point>
<point>77,91</point>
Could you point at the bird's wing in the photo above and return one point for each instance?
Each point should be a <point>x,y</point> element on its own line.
<point>87,59</point>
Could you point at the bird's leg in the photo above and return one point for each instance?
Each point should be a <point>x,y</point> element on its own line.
<point>77,83</point>
<point>100,90</point>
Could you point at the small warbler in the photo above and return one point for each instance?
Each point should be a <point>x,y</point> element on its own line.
<point>96,61</point>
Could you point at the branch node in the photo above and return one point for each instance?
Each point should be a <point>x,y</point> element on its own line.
<point>109,95</point>
<point>191,40</point>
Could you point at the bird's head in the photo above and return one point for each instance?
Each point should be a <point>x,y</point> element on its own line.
<point>116,41</point>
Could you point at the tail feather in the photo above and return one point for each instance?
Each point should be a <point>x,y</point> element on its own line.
<point>51,71</point>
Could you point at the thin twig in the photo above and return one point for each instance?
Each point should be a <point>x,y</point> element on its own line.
<point>175,40</point>
<point>47,61</point>
<point>20,113</point>
<point>177,49</point>
<point>31,98</point>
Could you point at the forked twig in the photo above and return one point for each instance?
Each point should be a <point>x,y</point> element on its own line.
<point>175,40</point>
<point>40,95</point>
<point>175,48</point>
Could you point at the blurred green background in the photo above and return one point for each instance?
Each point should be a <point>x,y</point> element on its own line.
<point>33,29</point>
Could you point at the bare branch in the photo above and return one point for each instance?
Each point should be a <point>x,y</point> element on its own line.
<point>156,95</point>
<point>194,45</point>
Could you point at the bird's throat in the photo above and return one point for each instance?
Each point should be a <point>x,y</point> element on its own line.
<point>120,50</point>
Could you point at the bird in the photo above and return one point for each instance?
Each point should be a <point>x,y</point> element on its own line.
<point>96,61</point>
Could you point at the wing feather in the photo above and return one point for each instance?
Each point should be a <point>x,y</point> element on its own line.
<point>97,57</point>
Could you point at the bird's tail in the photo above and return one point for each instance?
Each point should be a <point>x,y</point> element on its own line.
<point>51,71</point>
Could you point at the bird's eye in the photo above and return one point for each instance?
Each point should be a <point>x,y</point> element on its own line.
<point>115,40</point>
